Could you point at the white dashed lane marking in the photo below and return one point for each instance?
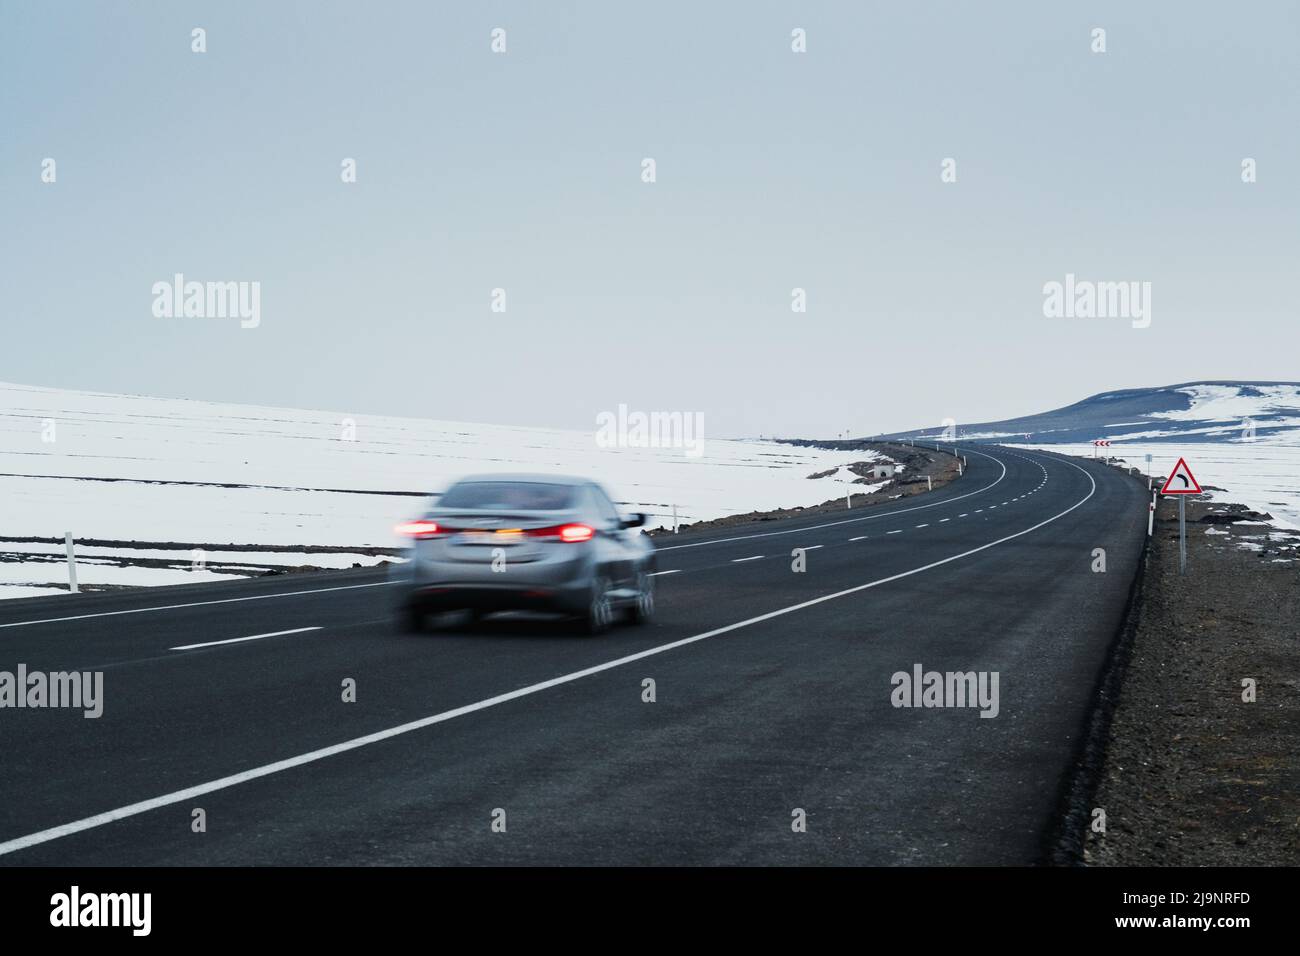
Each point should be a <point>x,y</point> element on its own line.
<point>240,640</point>
<point>740,560</point>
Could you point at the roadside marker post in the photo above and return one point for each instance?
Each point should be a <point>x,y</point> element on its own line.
<point>72,563</point>
<point>1148,471</point>
<point>674,519</point>
<point>929,483</point>
<point>1181,482</point>
<point>1182,535</point>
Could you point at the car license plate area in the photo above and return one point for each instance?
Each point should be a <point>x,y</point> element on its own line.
<point>482,545</point>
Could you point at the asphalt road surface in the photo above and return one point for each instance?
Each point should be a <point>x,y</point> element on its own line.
<point>772,695</point>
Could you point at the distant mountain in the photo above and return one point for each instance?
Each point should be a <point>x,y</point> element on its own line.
<point>1191,412</point>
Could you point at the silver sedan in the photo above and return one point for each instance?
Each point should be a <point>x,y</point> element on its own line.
<point>525,542</point>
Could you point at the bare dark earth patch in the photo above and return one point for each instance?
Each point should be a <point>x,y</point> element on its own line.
<point>1192,774</point>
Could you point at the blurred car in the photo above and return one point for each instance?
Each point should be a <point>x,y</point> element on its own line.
<point>525,542</point>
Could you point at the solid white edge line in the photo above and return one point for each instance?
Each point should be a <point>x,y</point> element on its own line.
<point>173,607</point>
<point>180,796</point>
<point>223,783</point>
<point>240,640</point>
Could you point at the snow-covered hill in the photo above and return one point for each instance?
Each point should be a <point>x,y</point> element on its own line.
<point>1192,412</point>
<point>145,483</point>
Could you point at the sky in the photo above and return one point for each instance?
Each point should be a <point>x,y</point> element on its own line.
<point>775,170</point>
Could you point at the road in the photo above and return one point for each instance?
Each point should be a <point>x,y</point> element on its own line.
<point>772,695</point>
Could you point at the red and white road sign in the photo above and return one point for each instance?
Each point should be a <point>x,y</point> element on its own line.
<point>1102,442</point>
<point>1181,481</point>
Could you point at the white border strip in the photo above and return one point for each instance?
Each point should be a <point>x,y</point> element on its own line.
<point>174,607</point>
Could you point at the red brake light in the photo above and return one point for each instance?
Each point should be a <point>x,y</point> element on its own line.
<point>418,529</point>
<point>568,533</point>
<point>576,532</point>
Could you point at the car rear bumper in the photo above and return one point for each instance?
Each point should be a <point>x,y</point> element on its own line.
<point>454,596</point>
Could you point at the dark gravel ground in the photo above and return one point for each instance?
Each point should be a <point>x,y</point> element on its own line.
<point>1192,774</point>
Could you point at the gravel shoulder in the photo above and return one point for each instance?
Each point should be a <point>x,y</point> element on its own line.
<point>1193,775</point>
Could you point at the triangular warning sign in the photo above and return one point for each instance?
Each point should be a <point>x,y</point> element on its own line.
<point>1181,481</point>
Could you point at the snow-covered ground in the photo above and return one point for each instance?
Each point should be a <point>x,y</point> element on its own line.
<point>1263,475</point>
<point>175,476</point>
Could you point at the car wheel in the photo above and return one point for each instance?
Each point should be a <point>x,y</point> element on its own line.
<point>600,610</point>
<point>644,608</point>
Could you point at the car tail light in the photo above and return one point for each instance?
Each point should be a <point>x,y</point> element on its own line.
<point>568,533</point>
<point>422,528</point>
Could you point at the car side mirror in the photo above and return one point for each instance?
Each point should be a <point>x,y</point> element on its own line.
<point>634,520</point>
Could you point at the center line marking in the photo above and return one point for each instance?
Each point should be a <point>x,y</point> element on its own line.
<point>861,537</point>
<point>923,526</point>
<point>893,532</point>
<point>811,547</point>
<point>240,640</point>
<point>739,560</point>
<point>655,574</point>
<point>942,520</point>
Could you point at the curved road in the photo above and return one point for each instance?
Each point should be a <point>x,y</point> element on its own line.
<point>773,694</point>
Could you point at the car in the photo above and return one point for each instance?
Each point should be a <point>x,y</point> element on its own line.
<point>525,543</point>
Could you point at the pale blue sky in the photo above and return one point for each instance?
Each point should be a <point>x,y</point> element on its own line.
<point>775,170</point>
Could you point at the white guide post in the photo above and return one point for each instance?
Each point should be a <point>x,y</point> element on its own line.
<point>72,562</point>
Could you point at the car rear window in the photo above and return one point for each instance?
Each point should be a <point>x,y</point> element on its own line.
<point>508,496</point>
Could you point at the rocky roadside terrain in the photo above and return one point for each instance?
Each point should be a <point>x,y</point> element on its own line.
<point>918,464</point>
<point>1193,775</point>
